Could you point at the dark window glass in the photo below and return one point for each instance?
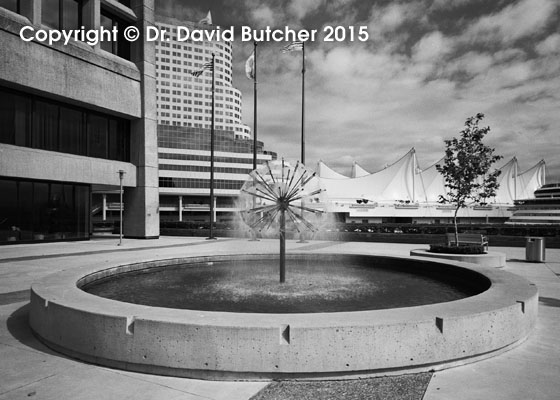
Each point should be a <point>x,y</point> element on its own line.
<point>7,129</point>
<point>118,140</point>
<point>45,126</point>
<point>32,210</point>
<point>107,23</point>
<point>82,210</point>
<point>50,13</point>
<point>71,14</point>
<point>40,210</point>
<point>121,47</point>
<point>113,140</point>
<point>22,111</point>
<point>62,14</point>
<point>31,122</point>
<point>72,134</point>
<point>12,5</point>
<point>25,201</point>
<point>14,114</point>
<point>97,136</point>
<point>9,224</point>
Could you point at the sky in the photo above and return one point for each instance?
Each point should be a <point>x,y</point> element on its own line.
<point>426,67</point>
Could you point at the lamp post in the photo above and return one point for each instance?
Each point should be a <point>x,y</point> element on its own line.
<point>121,176</point>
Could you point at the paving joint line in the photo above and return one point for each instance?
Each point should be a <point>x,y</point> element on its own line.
<point>92,252</point>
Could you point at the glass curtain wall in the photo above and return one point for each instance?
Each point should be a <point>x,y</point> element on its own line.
<point>36,210</point>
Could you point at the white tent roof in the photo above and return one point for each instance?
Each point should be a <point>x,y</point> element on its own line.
<point>392,183</point>
<point>324,171</point>
<point>403,180</point>
<point>506,191</point>
<point>431,184</point>
<point>358,171</point>
<point>531,180</point>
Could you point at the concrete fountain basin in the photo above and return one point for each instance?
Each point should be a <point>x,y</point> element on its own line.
<point>227,345</point>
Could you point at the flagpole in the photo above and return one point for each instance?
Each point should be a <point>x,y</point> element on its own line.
<point>255,106</point>
<point>212,156</point>
<point>301,235</point>
<point>303,103</point>
<point>253,232</point>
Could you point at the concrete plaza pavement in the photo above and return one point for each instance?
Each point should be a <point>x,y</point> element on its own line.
<point>29,369</point>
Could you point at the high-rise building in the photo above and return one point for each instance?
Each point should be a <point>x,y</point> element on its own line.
<point>186,100</point>
<point>184,106</point>
<point>72,116</point>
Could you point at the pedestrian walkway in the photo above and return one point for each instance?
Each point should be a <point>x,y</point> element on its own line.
<point>28,369</point>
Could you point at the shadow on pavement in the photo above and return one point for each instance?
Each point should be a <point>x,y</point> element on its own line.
<point>18,326</point>
<point>549,301</point>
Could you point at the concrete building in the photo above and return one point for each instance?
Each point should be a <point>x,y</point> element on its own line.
<point>72,116</point>
<point>184,106</point>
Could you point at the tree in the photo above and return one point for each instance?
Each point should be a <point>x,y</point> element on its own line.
<point>466,169</point>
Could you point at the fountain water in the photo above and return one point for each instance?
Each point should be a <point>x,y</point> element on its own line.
<point>275,190</point>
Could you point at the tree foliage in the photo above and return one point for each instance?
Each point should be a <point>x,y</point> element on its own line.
<point>466,168</point>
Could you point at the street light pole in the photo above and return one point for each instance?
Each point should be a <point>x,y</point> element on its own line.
<point>121,176</point>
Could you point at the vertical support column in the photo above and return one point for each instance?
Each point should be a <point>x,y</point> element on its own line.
<point>121,176</point>
<point>215,213</point>
<point>104,206</point>
<point>180,208</point>
<point>142,201</point>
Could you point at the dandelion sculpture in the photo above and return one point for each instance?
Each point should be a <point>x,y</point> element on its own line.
<point>277,190</point>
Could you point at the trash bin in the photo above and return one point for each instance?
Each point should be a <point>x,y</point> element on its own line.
<point>535,249</point>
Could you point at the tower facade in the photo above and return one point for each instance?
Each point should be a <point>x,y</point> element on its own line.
<point>186,100</point>
<point>184,114</point>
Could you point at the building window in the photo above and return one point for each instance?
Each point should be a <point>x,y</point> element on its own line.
<point>30,121</point>
<point>14,118</point>
<point>62,14</point>
<point>12,5</point>
<point>120,47</point>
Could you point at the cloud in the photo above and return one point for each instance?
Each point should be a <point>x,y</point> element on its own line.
<point>432,47</point>
<point>549,46</point>
<point>451,4</point>
<point>519,20</point>
<point>413,84</point>
<point>387,19</point>
<point>301,8</point>
<point>263,15</point>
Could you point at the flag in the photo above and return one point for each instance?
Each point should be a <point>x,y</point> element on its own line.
<point>294,46</point>
<point>206,20</point>
<point>250,66</point>
<point>209,66</point>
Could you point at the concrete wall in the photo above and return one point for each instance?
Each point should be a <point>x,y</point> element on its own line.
<point>23,162</point>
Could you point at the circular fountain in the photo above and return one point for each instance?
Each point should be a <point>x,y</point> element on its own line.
<point>338,329</point>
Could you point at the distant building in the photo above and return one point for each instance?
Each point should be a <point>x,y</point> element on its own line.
<point>184,106</point>
<point>186,100</point>
<point>542,209</point>
<point>72,116</point>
